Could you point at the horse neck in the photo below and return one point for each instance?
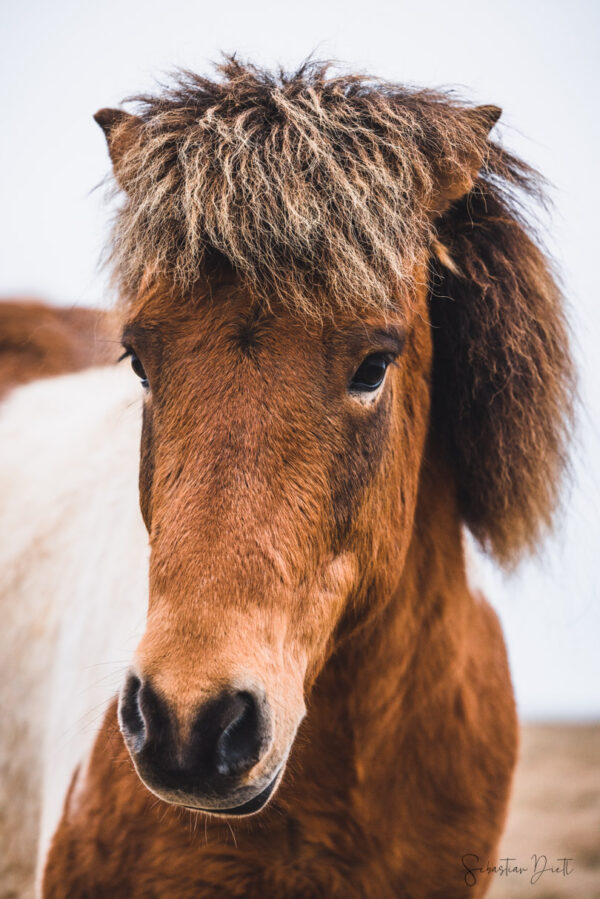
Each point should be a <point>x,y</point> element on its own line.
<point>403,667</point>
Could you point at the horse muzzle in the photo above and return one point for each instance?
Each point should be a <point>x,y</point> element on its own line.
<point>219,762</point>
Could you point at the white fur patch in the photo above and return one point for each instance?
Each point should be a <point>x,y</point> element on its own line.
<point>73,589</point>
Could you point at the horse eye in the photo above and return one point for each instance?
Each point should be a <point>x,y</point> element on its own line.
<point>139,369</point>
<point>370,373</point>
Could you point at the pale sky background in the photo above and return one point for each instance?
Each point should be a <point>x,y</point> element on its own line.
<point>62,60</point>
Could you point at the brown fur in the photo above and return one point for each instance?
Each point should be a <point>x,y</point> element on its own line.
<point>274,233</point>
<point>40,341</point>
<point>401,767</point>
<point>503,376</point>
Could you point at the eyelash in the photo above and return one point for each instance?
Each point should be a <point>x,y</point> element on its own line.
<point>366,377</point>
<point>136,365</point>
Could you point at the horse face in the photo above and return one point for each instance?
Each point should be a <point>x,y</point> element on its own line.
<point>278,479</point>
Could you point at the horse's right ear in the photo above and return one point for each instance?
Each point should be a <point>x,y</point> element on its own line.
<point>457,172</point>
<point>122,131</point>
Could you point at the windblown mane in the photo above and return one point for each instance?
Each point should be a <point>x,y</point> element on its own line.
<point>316,190</point>
<point>323,192</point>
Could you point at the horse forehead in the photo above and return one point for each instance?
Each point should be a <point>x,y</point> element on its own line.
<point>223,326</point>
<point>224,309</point>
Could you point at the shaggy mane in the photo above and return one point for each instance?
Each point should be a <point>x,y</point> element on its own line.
<point>316,190</point>
<point>324,192</point>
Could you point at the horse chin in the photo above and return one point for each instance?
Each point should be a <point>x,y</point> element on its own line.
<point>250,807</point>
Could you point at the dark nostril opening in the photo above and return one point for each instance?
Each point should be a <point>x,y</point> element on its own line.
<point>239,745</point>
<point>228,737</point>
<point>133,724</point>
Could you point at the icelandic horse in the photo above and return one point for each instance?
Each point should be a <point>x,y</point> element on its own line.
<point>38,340</point>
<point>351,348</point>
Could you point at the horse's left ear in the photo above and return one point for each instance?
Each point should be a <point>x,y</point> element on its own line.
<point>122,131</point>
<point>457,171</point>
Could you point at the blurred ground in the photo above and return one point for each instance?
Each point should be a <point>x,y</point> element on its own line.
<point>555,811</point>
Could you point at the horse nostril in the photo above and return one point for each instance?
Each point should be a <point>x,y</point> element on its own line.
<point>228,737</point>
<point>239,744</point>
<point>133,723</point>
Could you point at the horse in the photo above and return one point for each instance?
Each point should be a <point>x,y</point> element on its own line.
<point>65,563</point>
<point>39,340</point>
<point>351,348</point>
